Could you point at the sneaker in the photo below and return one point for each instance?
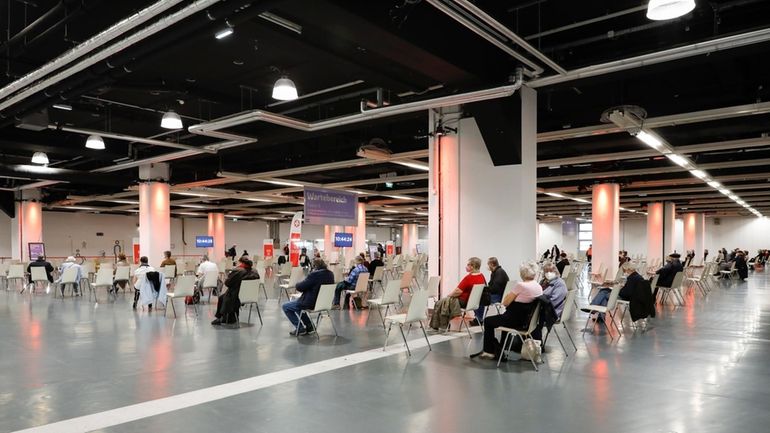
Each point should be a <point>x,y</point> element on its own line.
<point>585,310</point>
<point>486,355</point>
<point>216,322</point>
<point>476,354</point>
<point>474,322</point>
<point>295,333</point>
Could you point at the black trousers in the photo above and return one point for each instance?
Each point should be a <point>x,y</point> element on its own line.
<point>491,344</point>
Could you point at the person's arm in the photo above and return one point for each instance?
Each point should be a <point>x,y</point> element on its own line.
<point>463,285</point>
<point>305,284</point>
<point>509,298</point>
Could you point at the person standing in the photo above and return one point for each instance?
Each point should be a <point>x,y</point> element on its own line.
<point>590,253</point>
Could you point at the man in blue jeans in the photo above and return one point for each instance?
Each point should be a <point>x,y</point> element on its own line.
<point>350,282</point>
<point>498,279</point>
<point>309,288</point>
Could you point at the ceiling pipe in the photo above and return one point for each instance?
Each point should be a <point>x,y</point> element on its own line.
<point>131,138</point>
<point>706,47</point>
<point>33,26</point>
<point>586,22</point>
<point>91,44</point>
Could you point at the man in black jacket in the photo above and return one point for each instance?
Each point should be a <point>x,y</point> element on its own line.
<point>563,262</point>
<point>637,292</point>
<point>41,262</point>
<point>497,282</point>
<point>667,273</point>
<point>374,264</point>
<point>309,288</point>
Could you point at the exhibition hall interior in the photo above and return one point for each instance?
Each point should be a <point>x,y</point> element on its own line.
<point>323,215</point>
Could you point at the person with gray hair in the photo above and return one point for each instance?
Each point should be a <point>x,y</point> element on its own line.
<point>350,282</point>
<point>554,286</point>
<point>449,306</point>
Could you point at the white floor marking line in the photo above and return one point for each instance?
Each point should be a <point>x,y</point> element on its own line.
<point>172,403</point>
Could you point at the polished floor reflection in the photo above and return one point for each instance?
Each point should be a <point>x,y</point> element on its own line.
<point>699,368</point>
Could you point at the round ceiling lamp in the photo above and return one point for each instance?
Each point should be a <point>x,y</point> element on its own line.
<point>40,158</point>
<point>171,120</point>
<point>660,10</point>
<point>95,142</point>
<point>285,90</point>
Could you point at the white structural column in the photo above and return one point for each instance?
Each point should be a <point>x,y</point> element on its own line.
<point>217,231</point>
<point>669,227</point>
<point>154,213</point>
<point>654,231</point>
<point>27,225</point>
<point>476,208</point>
<point>409,239</point>
<point>605,217</point>
<point>359,235</point>
<point>695,234</point>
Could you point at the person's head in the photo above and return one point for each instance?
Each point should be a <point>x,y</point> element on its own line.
<point>629,268</point>
<point>377,256</point>
<point>550,271</point>
<point>563,255</point>
<point>473,265</point>
<point>359,260</point>
<point>205,258</point>
<point>144,260</point>
<point>493,263</point>
<point>40,258</point>
<point>304,251</point>
<point>121,257</point>
<point>673,256</point>
<point>167,254</point>
<point>70,259</point>
<point>318,263</point>
<point>245,263</point>
<point>528,271</point>
<point>286,249</point>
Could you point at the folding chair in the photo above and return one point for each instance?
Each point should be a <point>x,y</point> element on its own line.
<point>432,287</point>
<point>4,275</point>
<point>377,278</point>
<point>38,275</point>
<point>122,275</point>
<point>16,273</point>
<point>569,302</point>
<point>294,278</point>
<point>211,282</point>
<point>103,279</point>
<point>263,278</point>
<point>675,288</point>
<point>389,297</point>
<point>508,289</point>
<point>185,286</point>
<point>513,333</point>
<point>361,288</point>
<point>608,309</point>
<point>68,278</point>
<point>249,295</point>
<point>415,313</point>
<point>730,273</point>
<point>473,303</point>
<point>323,305</point>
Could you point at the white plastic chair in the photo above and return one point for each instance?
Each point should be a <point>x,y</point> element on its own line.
<point>609,310</point>
<point>122,275</point>
<point>433,286</point>
<point>361,288</point>
<point>337,272</point>
<point>295,277</point>
<point>4,274</point>
<point>416,313</point>
<point>68,278</point>
<point>522,334</point>
<point>249,294</point>
<point>323,305</point>
<point>379,274</point>
<point>732,273</point>
<point>38,275</point>
<point>508,289</point>
<point>675,288</point>
<point>211,282</point>
<point>569,304</point>
<point>389,297</point>
<point>16,272</point>
<point>103,279</point>
<point>473,303</point>
<point>185,286</point>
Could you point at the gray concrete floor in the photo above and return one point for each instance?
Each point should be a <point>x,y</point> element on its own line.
<point>699,368</point>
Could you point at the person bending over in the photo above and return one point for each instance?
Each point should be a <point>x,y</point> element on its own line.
<point>228,303</point>
<point>349,283</point>
<point>309,287</point>
<point>449,307</point>
<point>519,305</point>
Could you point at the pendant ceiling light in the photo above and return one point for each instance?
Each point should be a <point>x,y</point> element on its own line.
<point>40,158</point>
<point>284,90</point>
<point>660,10</point>
<point>95,142</point>
<point>171,120</point>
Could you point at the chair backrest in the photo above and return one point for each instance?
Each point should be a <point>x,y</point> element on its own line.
<point>325,297</point>
<point>16,271</point>
<point>210,279</point>
<point>296,276</point>
<point>570,281</point>
<point>613,298</point>
<point>38,273</point>
<point>249,291</point>
<point>569,305</point>
<point>169,271</point>
<point>69,275</point>
<point>104,277</point>
<point>362,283</point>
<point>122,273</point>
<point>88,267</point>
<point>406,279</point>
<point>337,271</point>
<point>509,287</point>
<point>535,319</point>
<point>392,292</point>
<point>222,266</point>
<point>378,273</point>
<point>677,283</point>
<point>185,285</point>
<point>4,268</point>
<point>417,307</point>
<point>432,286</point>
<point>475,298</point>
<point>654,282</point>
<point>566,271</point>
<point>619,273</point>
<point>285,268</point>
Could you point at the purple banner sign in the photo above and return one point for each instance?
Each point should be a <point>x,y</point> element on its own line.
<point>330,207</point>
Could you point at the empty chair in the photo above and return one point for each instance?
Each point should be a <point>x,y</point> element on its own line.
<point>16,273</point>
<point>294,278</point>
<point>389,297</point>
<point>521,333</point>
<point>569,303</point>
<point>185,286</point>
<point>406,281</point>
<point>211,282</point>
<point>68,278</point>
<point>361,288</point>
<point>249,295</point>
<point>432,286</point>
<point>379,274</point>
<point>4,274</point>
<point>323,305</point>
<point>103,279</point>
<point>473,303</point>
<point>415,314</point>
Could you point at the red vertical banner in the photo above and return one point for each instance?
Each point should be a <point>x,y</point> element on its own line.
<point>295,237</point>
<point>267,248</point>
<point>389,248</point>
<point>136,250</point>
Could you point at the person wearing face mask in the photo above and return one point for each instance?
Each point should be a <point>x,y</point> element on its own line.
<point>555,289</point>
<point>449,307</point>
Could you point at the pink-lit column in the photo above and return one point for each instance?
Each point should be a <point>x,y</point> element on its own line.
<point>654,231</point>
<point>606,227</point>
<point>217,231</point>
<point>27,225</point>
<point>695,234</point>
<point>359,237</point>
<point>154,213</point>
<point>409,239</point>
<point>328,240</point>
<point>669,227</point>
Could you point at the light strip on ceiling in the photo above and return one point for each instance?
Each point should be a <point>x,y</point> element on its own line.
<point>423,167</point>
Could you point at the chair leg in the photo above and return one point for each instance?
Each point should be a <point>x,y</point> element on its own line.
<point>248,320</point>
<point>558,338</point>
<point>425,334</point>
<point>264,290</point>
<point>586,326</point>
<point>401,328</point>
<point>259,314</point>
<point>387,334</point>
<point>531,358</point>
<point>570,336</point>
<point>467,328</point>
<point>609,331</point>
<point>504,349</point>
<point>299,322</point>
<point>332,322</point>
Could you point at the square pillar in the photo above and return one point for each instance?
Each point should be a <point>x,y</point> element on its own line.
<point>27,225</point>
<point>655,232</point>
<point>695,234</point>
<point>669,227</point>
<point>216,229</point>
<point>154,221</point>
<point>606,228</point>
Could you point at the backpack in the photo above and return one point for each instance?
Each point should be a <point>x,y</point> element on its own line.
<point>192,300</point>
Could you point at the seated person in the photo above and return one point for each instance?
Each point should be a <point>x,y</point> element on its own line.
<point>168,261</point>
<point>71,263</point>
<point>555,289</point>
<point>285,257</point>
<point>374,264</point>
<point>122,261</point>
<point>562,263</point>
<point>205,266</point>
<point>631,291</point>
<point>309,288</point>
<point>449,307</point>
<point>741,267</point>
<point>41,262</point>
<point>349,283</point>
<point>519,305</point>
<point>667,273</point>
<point>149,285</point>
<point>498,279</point>
<point>228,303</point>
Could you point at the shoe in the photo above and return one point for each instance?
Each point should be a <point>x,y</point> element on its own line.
<point>336,307</point>
<point>476,354</point>
<point>149,307</point>
<point>486,355</point>
<point>216,322</point>
<point>302,331</point>
<point>585,310</point>
<point>474,322</point>
<point>134,306</point>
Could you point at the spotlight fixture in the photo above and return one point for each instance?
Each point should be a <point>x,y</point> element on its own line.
<point>171,120</point>
<point>660,10</point>
<point>284,89</point>
<point>64,107</point>
<point>225,32</point>
<point>40,158</point>
<point>95,142</point>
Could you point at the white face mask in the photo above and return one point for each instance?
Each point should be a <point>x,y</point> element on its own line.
<point>550,275</point>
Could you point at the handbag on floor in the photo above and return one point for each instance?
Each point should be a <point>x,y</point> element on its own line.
<point>531,350</point>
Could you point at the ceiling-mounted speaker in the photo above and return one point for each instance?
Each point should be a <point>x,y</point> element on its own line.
<point>499,121</point>
<point>717,221</point>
